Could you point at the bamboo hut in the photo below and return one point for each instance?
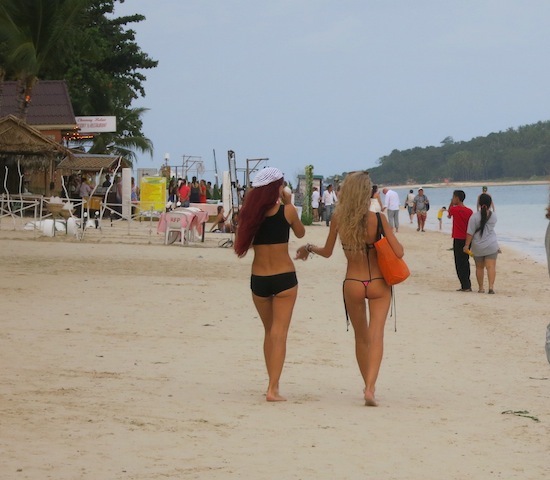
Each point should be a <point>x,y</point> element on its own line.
<point>26,153</point>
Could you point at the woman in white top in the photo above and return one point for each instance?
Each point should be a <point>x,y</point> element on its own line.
<point>375,202</point>
<point>482,240</point>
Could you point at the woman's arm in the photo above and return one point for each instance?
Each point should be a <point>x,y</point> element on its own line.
<point>468,243</point>
<point>303,252</point>
<point>291,215</point>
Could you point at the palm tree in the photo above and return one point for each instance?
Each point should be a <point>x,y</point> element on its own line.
<point>34,35</point>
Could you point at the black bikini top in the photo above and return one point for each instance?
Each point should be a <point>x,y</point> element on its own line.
<point>274,229</point>
<point>347,248</point>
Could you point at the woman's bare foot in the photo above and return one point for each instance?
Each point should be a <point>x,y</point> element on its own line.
<point>369,399</point>
<point>274,397</point>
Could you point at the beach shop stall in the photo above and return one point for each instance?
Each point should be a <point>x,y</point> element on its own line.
<point>96,167</point>
<point>27,158</point>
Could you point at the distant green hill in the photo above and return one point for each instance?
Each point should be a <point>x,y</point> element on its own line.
<point>521,153</point>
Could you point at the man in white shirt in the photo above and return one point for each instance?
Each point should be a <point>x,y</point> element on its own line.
<point>391,202</point>
<point>329,199</point>
<point>315,197</point>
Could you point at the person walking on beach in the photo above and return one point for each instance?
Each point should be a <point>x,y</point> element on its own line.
<point>409,203</point>
<point>481,239</point>
<point>265,220</point>
<point>460,215</point>
<point>391,205</point>
<point>329,201</point>
<point>484,191</point>
<point>357,227</point>
<point>315,197</point>
<point>421,203</point>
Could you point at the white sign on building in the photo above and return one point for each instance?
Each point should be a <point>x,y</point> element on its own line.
<point>96,124</point>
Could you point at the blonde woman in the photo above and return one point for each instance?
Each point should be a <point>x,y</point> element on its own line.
<point>364,284</point>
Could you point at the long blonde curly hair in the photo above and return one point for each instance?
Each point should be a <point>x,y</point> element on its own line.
<point>352,209</point>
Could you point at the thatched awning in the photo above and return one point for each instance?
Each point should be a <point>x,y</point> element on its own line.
<point>91,163</point>
<point>17,138</point>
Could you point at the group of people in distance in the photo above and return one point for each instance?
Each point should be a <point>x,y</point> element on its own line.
<point>473,234</point>
<point>182,192</point>
<point>265,221</point>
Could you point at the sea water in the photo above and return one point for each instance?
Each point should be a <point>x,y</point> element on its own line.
<point>520,209</point>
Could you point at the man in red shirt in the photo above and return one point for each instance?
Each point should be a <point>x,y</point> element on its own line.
<point>460,215</point>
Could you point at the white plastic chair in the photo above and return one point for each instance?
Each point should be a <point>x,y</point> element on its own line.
<point>177,222</point>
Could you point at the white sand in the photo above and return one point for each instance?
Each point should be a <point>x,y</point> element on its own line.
<point>137,361</point>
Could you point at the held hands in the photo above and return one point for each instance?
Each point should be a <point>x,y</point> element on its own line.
<point>302,253</point>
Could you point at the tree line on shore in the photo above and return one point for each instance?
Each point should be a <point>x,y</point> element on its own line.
<point>522,153</point>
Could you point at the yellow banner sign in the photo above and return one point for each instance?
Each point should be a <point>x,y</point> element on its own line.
<point>153,194</point>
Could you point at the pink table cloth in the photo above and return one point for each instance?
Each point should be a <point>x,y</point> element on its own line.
<point>192,218</point>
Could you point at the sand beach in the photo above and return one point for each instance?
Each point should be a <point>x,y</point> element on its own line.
<point>128,359</point>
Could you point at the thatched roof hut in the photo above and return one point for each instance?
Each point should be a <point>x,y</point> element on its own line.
<point>24,149</point>
<point>89,162</point>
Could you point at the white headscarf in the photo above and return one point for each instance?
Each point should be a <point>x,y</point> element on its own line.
<point>266,176</point>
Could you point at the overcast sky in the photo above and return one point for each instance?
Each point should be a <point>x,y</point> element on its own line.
<point>336,83</point>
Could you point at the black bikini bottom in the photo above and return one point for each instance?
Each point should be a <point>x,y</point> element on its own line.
<point>269,285</point>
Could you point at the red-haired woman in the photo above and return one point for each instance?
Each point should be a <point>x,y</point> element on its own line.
<point>265,221</point>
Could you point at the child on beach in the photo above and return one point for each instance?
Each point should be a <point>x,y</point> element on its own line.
<point>440,216</point>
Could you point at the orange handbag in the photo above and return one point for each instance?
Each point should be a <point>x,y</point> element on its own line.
<point>394,269</point>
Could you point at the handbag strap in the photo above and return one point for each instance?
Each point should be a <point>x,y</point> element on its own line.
<point>380,228</point>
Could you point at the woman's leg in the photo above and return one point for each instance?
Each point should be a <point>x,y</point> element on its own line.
<point>369,336</point>
<point>491,266</point>
<point>480,273</point>
<point>378,309</point>
<point>276,313</point>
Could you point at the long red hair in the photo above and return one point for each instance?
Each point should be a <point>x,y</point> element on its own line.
<point>257,202</point>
